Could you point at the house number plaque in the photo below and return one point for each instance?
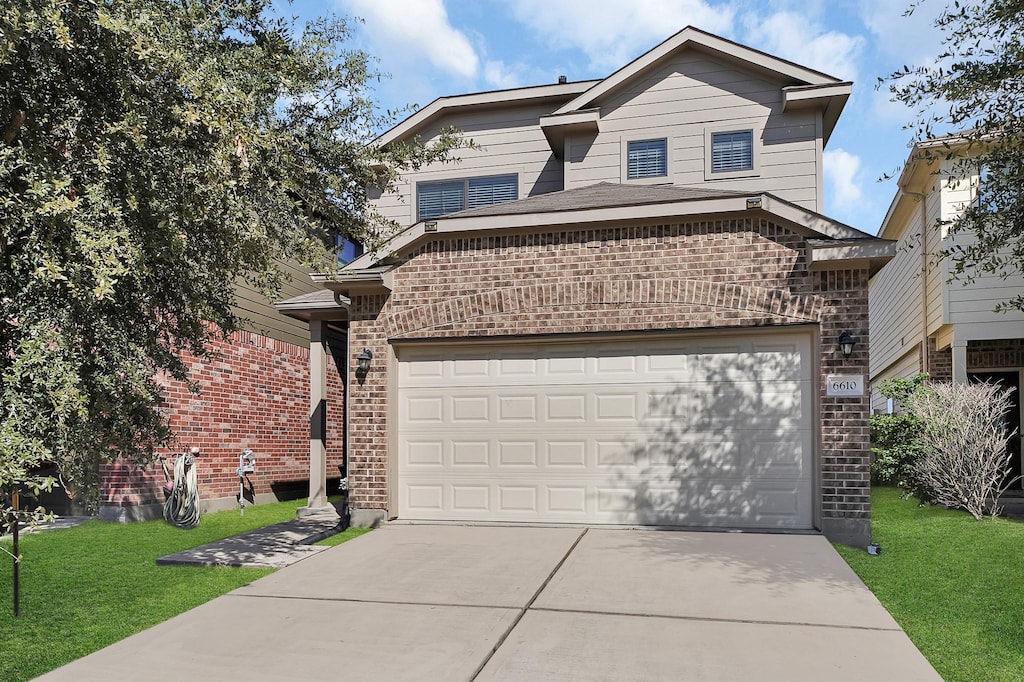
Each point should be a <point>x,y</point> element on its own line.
<point>844,385</point>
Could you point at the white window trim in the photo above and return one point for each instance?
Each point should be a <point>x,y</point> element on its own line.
<point>644,136</point>
<point>755,128</point>
<point>448,176</point>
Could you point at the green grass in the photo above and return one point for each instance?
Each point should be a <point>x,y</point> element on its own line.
<point>86,587</point>
<point>344,536</point>
<point>954,584</point>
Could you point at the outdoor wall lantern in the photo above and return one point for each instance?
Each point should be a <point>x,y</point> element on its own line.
<point>846,342</point>
<point>363,361</point>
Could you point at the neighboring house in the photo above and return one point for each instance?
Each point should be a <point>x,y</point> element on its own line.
<point>923,320</point>
<point>621,307</point>
<point>253,396</point>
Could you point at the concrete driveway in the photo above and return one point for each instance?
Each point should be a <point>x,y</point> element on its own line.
<point>421,602</point>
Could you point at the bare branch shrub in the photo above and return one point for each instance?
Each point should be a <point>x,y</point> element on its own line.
<point>964,464</point>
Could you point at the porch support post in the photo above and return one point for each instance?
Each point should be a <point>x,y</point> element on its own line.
<point>959,362</point>
<point>317,420</point>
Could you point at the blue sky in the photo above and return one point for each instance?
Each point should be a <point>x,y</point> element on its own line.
<point>433,48</point>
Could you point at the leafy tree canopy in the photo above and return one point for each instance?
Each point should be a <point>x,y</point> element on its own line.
<point>151,153</point>
<point>972,100</point>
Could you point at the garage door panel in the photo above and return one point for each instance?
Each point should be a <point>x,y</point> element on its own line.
<point>668,432</point>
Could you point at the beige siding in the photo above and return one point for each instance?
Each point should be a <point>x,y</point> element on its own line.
<point>264,318</point>
<point>679,100</point>
<point>906,367</point>
<point>509,140</point>
<point>937,271</point>
<point>971,305</point>
<point>894,301</point>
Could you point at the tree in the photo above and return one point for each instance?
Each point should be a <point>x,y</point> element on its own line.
<point>152,152</point>
<point>972,101</point>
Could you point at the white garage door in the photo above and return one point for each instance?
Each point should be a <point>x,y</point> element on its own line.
<point>685,432</point>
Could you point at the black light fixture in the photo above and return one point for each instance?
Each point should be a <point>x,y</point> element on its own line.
<point>846,342</point>
<point>363,361</point>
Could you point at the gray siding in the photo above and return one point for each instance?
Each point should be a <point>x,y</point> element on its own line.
<point>264,318</point>
<point>509,140</point>
<point>679,100</point>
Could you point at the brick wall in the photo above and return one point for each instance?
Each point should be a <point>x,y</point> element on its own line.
<point>997,354</point>
<point>940,362</point>
<point>692,275</point>
<point>254,394</point>
<point>845,435</point>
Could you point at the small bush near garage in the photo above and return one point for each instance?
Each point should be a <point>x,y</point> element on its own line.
<point>964,461</point>
<point>894,437</point>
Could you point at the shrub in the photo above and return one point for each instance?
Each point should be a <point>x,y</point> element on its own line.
<point>894,437</point>
<point>963,462</point>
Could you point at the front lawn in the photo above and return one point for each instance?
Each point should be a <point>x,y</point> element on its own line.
<point>86,587</point>
<point>955,585</point>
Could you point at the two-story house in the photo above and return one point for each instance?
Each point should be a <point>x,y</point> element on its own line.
<point>923,319</point>
<point>622,306</point>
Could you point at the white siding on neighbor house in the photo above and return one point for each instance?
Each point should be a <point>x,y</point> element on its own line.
<point>906,367</point>
<point>971,305</point>
<point>510,140</point>
<point>894,298</point>
<point>682,97</point>
<point>937,269</point>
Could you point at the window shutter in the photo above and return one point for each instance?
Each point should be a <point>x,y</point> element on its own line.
<point>440,198</point>
<point>647,159</point>
<point>732,151</point>
<point>493,190</point>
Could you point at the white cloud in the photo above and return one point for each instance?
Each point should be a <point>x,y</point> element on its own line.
<point>800,39</point>
<point>416,30</point>
<point>613,32</point>
<point>903,39</point>
<point>842,171</point>
<point>501,76</point>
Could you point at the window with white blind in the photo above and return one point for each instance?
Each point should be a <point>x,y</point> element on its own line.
<point>732,151</point>
<point>647,159</point>
<point>435,199</point>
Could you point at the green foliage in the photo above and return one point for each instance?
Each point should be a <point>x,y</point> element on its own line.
<point>153,152</point>
<point>895,438</point>
<point>972,99</point>
<point>950,583</point>
<point>87,587</point>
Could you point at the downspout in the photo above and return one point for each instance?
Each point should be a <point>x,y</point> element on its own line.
<point>345,426</point>
<point>925,357</point>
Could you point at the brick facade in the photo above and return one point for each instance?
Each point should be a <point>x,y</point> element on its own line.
<point>940,363</point>
<point>688,275</point>
<point>997,354</point>
<point>254,394</point>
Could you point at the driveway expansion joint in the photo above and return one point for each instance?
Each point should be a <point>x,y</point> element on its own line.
<point>392,602</point>
<point>527,607</point>
<point>709,619</point>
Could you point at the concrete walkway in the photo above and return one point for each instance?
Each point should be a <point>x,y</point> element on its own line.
<point>409,602</point>
<point>276,546</point>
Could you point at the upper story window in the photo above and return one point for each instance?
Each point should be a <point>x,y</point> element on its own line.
<point>435,199</point>
<point>647,159</point>
<point>732,151</point>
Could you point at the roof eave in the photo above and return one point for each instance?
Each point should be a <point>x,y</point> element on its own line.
<point>442,105</point>
<point>809,222</point>
<point>830,98</point>
<point>706,41</point>
<point>870,253</point>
